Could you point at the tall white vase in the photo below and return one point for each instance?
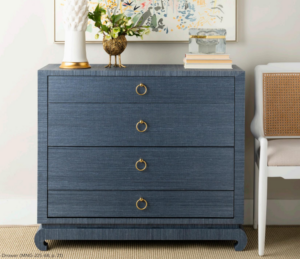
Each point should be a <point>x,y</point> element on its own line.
<point>75,23</point>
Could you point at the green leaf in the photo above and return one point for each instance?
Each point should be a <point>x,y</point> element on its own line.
<point>112,19</point>
<point>99,10</point>
<point>136,18</point>
<point>118,17</point>
<point>98,24</point>
<point>96,15</point>
<point>91,16</point>
<point>103,11</point>
<point>104,28</point>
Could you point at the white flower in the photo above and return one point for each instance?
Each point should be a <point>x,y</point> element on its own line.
<point>108,24</point>
<point>145,32</point>
<point>115,32</point>
<point>107,37</point>
<point>129,23</point>
<point>130,33</point>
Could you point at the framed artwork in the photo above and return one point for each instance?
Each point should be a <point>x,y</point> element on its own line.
<point>169,20</point>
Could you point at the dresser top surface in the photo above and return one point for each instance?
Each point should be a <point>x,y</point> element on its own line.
<point>140,70</point>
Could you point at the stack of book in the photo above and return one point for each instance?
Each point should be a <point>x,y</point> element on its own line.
<point>207,61</point>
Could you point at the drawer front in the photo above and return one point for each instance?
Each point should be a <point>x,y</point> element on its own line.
<point>87,124</point>
<point>120,204</point>
<point>115,169</point>
<point>159,89</point>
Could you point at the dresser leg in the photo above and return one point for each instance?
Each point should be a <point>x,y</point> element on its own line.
<point>241,239</point>
<point>39,239</point>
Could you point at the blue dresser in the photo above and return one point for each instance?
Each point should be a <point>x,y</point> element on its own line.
<point>150,152</point>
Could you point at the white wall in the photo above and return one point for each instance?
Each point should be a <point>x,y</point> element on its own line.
<point>268,31</point>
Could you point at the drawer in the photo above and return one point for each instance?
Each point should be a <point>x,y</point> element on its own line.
<point>166,169</point>
<point>95,124</point>
<point>122,204</point>
<point>159,89</point>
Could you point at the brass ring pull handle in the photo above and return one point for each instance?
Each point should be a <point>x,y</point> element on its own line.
<point>141,200</point>
<point>141,161</point>
<point>141,122</point>
<point>141,85</point>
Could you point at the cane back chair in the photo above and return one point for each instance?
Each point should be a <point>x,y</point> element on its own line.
<point>276,128</point>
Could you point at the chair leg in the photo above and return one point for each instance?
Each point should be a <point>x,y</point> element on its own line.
<point>262,196</point>
<point>255,197</point>
<point>255,184</point>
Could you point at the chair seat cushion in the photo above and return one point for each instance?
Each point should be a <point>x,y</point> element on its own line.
<point>284,152</point>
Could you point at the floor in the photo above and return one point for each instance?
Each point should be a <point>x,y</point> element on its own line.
<point>17,242</point>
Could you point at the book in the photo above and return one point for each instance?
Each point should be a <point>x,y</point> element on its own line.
<point>206,56</point>
<point>207,66</point>
<point>207,61</point>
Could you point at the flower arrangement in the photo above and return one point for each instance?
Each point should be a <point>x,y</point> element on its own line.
<point>116,25</point>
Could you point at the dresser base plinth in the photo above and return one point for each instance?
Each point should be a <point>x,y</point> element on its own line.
<point>60,232</point>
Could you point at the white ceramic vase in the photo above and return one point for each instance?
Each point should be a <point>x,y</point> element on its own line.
<point>75,23</point>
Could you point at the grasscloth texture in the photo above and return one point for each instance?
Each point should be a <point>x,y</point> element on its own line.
<point>282,242</point>
<point>121,89</point>
<point>80,124</point>
<point>121,204</point>
<point>177,116</point>
<point>81,121</point>
<point>76,169</point>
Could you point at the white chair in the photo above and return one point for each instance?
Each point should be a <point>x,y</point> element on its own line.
<point>276,128</point>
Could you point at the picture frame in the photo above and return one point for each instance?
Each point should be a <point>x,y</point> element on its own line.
<point>182,36</point>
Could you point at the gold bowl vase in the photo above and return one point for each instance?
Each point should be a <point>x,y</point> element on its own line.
<point>115,47</point>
